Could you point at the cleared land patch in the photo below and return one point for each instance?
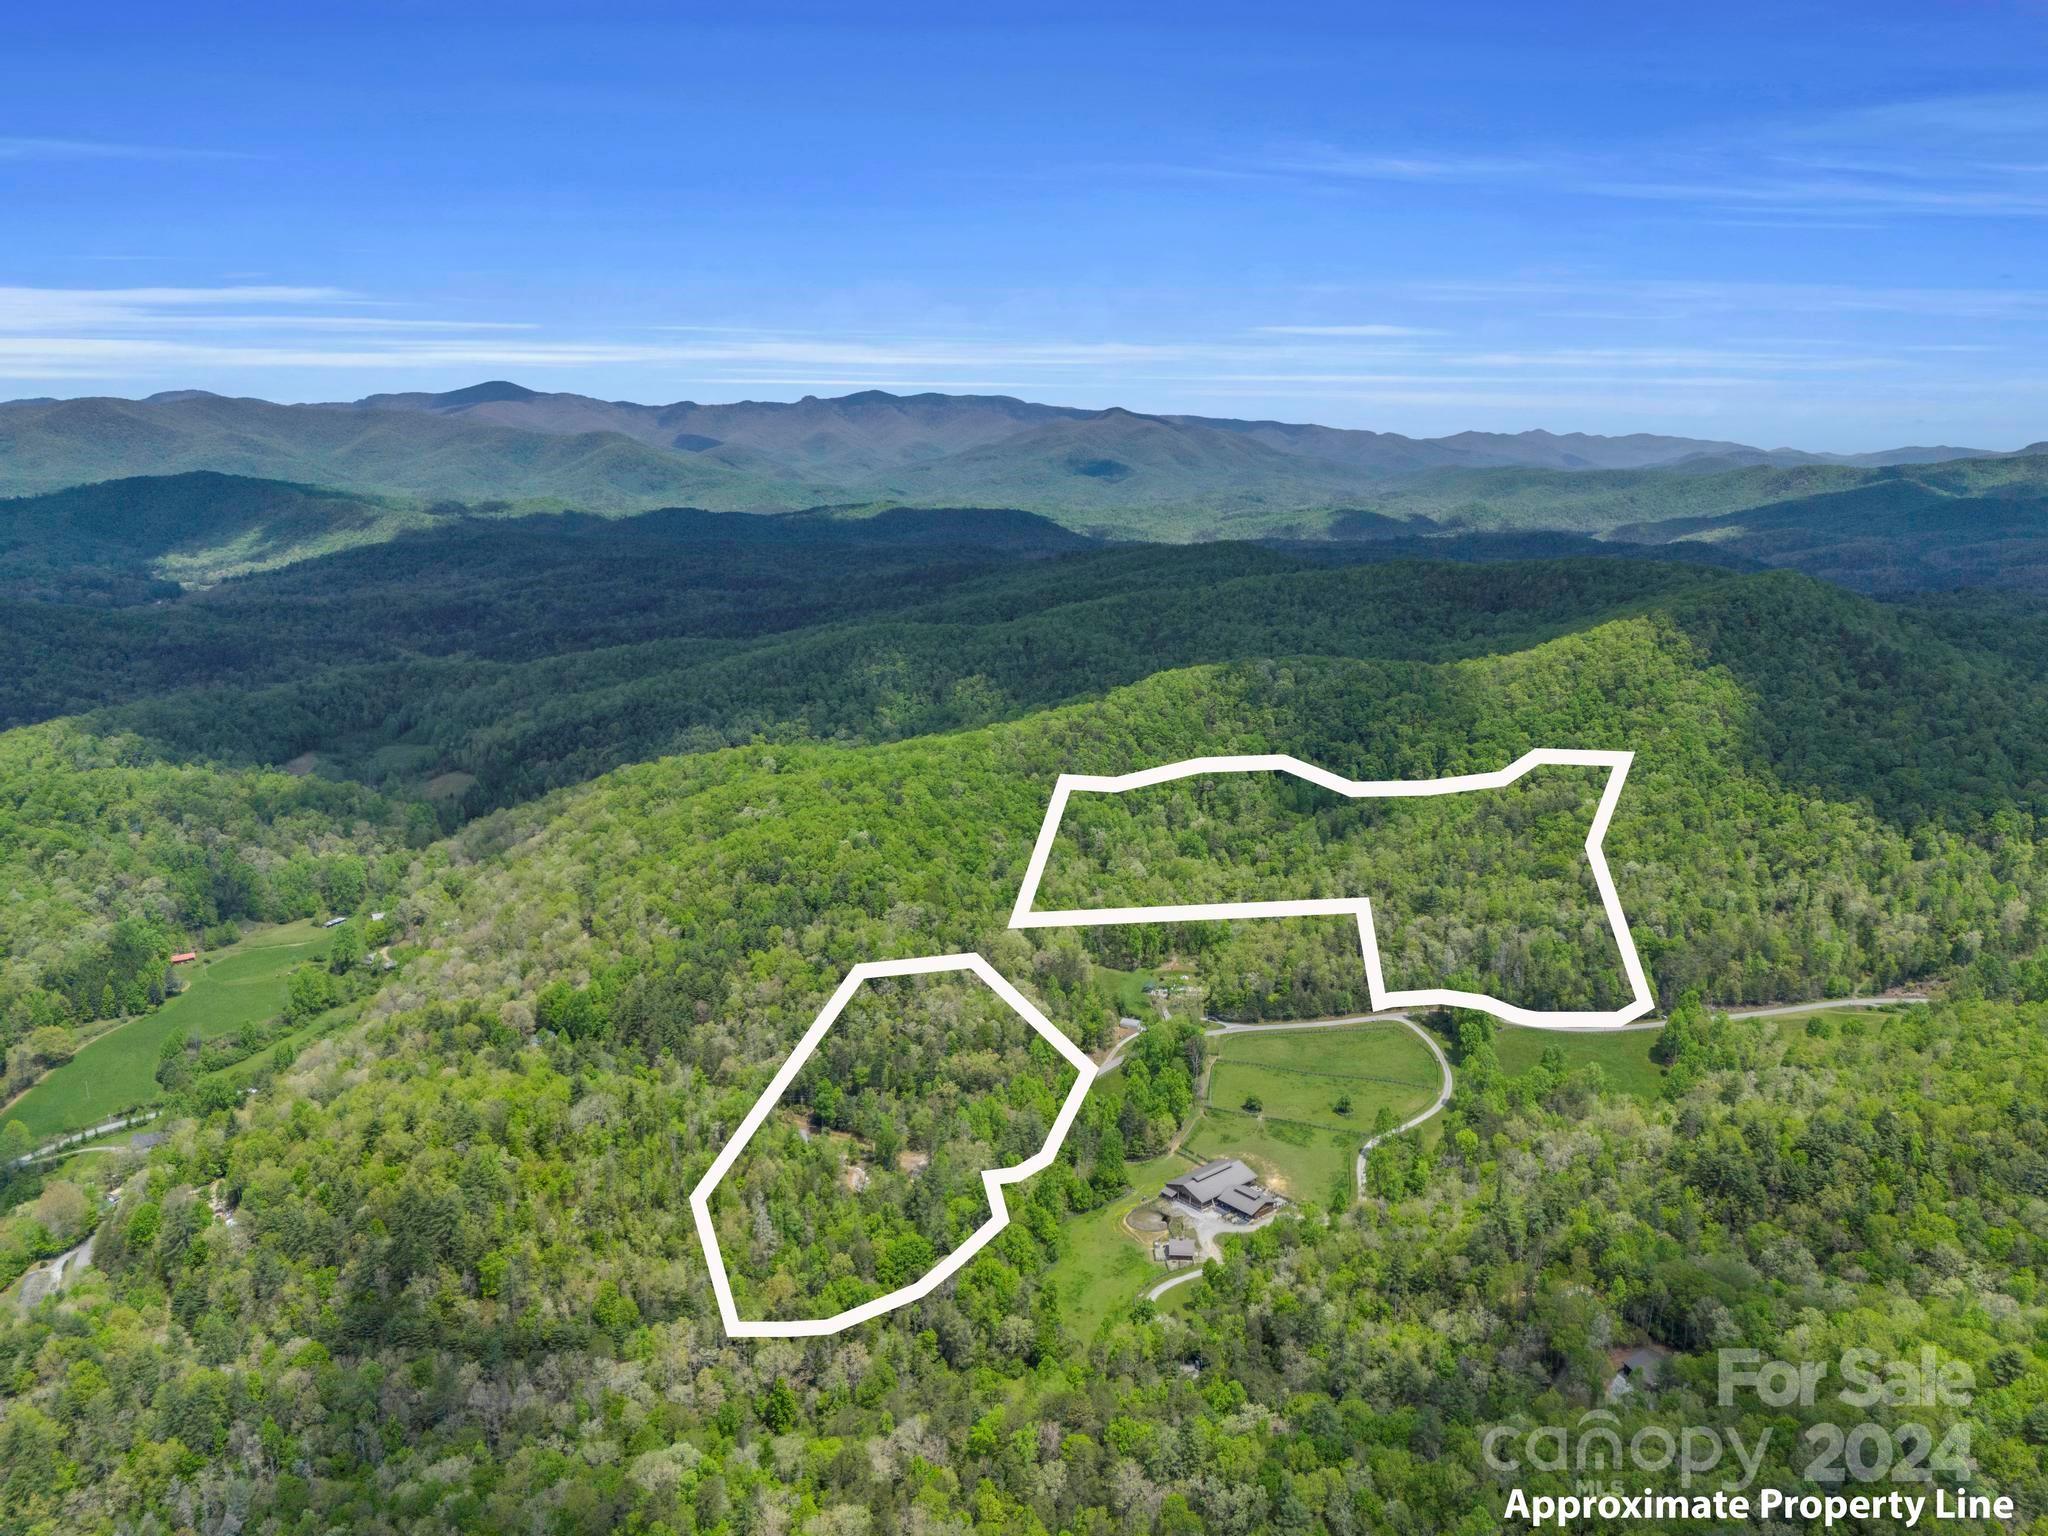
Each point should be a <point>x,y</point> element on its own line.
<point>228,990</point>
<point>1104,1268</point>
<point>1623,1057</point>
<point>1298,1138</point>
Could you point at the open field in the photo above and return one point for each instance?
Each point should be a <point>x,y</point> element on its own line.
<point>1304,1075</point>
<point>239,1073</point>
<point>242,984</point>
<point>1297,1139</point>
<point>1104,1269</point>
<point>1301,1162</point>
<point>1812,1039</point>
<point>1130,991</point>
<point>1623,1056</point>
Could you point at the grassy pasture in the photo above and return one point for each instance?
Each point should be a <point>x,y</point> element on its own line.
<point>242,984</point>
<point>1104,1268</point>
<point>1297,1138</point>
<point>1623,1056</point>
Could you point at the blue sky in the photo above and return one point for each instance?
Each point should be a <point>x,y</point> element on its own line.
<point>1787,224</point>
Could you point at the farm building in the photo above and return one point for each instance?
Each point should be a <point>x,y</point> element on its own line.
<point>1226,1186</point>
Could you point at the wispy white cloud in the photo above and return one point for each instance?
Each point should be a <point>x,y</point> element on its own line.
<point>15,147</point>
<point>1670,298</point>
<point>1953,157</point>
<point>1330,160</point>
<point>1983,193</point>
<point>1705,349</point>
<point>63,308</point>
<point>1344,330</point>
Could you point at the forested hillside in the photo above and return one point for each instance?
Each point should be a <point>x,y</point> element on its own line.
<point>870,1170</point>
<point>853,853</point>
<point>142,540</point>
<point>111,860</point>
<point>508,658</point>
<point>633,796</point>
<point>1494,878</point>
<point>47,445</point>
<point>461,1291</point>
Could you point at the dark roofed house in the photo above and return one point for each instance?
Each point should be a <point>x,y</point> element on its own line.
<point>1180,1250</point>
<point>1225,1185</point>
<point>1200,1187</point>
<point>1636,1370</point>
<point>1248,1202</point>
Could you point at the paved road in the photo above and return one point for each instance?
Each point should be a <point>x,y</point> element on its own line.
<point>1192,1272</point>
<point>1780,1010</point>
<point>1226,1027</point>
<point>72,1138</point>
<point>1443,1097</point>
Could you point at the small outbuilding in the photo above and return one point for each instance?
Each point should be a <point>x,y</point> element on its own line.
<point>1635,1370</point>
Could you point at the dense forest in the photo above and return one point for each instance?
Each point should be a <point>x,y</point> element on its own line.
<point>920,1085</point>
<point>1490,880</point>
<point>461,1293</point>
<point>631,798</point>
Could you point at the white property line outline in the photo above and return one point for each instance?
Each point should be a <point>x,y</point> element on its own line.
<point>1023,916</point>
<point>1360,908</point>
<point>993,1179</point>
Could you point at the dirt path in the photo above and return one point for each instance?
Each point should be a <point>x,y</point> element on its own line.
<point>47,1278</point>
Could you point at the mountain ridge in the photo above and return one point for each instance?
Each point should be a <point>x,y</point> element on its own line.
<point>1112,472</point>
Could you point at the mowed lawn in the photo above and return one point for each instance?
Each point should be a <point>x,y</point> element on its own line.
<point>1130,991</point>
<point>1104,1268</point>
<point>242,984</point>
<point>1298,1138</point>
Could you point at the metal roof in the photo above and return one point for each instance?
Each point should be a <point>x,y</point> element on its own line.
<point>1205,1183</point>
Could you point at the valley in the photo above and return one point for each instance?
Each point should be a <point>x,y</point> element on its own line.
<point>607,805</point>
<point>1036,771</point>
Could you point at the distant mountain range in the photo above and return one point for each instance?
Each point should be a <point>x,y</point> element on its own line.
<point>874,434</point>
<point>1114,469</point>
<point>193,488</point>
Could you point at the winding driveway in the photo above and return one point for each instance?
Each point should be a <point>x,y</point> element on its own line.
<point>1443,1097</point>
